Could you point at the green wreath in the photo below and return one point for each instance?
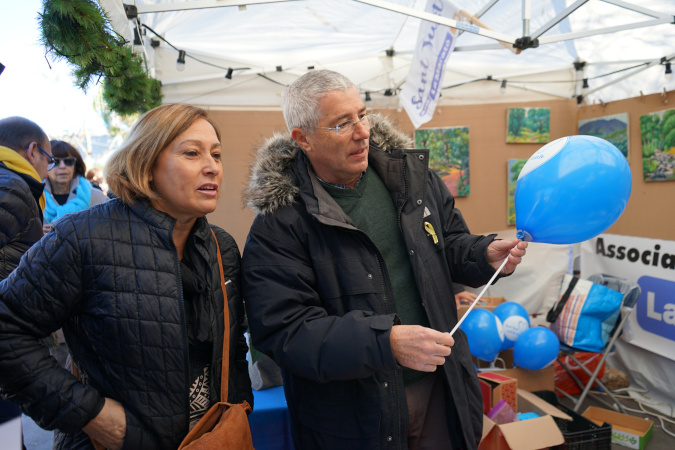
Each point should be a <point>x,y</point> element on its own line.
<point>79,31</point>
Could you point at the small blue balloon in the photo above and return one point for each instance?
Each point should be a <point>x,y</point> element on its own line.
<point>571,190</point>
<point>484,333</point>
<point>536,348</point>
<point>515,320</point>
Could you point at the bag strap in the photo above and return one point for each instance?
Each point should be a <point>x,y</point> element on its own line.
<point>555,311</point>
<point>226,332</point>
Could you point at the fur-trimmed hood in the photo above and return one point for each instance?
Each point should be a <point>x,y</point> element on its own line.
<point>272,183</point>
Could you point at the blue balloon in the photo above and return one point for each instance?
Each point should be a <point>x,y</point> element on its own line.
<point>536,348</point>
<point>571,190</point>
<point>515,320</point>
<point>484,333</point>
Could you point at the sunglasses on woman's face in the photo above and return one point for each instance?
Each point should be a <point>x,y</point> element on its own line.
<point>69,161</point>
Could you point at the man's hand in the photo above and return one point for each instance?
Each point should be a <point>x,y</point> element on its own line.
<point>420,348</point>
<point>109,427</point>
<point>498,250</point>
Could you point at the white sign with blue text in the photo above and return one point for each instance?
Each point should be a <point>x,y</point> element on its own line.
<point>650,263</point>
<point>435,42</point>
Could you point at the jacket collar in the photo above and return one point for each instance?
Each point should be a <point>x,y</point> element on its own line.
<point>161,220</point>
<point>35,186</point>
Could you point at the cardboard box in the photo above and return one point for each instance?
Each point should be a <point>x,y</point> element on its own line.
<point>532,380</point>
<point>496,387</point>
<point>531,434</point>
<point>529,380</point>
<point>489,303</point>
<point>629,431</point>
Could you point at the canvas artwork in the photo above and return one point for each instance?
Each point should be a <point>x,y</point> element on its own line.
<point>448,155</point>
<point>513,171</point>
<point>657,134</point>
<point>612,128</point>
<point>528,125</point>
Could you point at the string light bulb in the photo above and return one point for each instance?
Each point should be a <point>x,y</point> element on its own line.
<point>368,99</point>
<point>502,89</point>
<point>180,62</point>
<point>669,70</point>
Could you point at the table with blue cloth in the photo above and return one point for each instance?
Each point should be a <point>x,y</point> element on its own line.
<point>270,422</point>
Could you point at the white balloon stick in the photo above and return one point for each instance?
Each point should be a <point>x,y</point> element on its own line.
<point>480,295</point>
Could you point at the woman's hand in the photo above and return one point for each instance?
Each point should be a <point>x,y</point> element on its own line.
<point>109,427</point>
<point>513,249</point>
<point>46,228</point>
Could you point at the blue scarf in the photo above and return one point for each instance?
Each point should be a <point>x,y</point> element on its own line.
<point>81,201</point>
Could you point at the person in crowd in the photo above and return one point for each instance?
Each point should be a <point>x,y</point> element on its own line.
<point>347,274</point>
<point>95,177</point>
<point>67,188</point>
<point>25,159</point>
<point>135,285</point>
<point>66,191</point>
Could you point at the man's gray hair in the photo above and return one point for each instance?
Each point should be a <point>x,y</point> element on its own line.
<point>17,132</point>
<point>300,102</point>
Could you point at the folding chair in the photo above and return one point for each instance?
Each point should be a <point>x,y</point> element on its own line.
<point>631,293</point>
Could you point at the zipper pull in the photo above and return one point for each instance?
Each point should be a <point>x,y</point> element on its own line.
<point>430,229</point>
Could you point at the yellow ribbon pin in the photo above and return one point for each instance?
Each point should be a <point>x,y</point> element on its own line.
<point>430,229</point>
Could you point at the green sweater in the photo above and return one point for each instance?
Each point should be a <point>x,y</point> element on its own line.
<point>372,209</point>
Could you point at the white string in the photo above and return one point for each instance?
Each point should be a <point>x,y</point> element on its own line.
<point>479,296</point>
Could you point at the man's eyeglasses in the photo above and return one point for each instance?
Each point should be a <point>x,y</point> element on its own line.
<point>69,161</point>
<point>51,161</point>
<point>348,126</point>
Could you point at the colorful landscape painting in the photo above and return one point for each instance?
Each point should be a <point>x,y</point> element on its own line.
<point>448,155</point>
<point>528,125</point>
<point>657,134</point>
<point>610,128</point>
<point>514,168</point>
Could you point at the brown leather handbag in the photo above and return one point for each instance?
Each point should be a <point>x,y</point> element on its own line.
<point>224,426</point>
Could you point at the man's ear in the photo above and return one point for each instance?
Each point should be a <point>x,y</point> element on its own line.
<point>300,137</point>
<point>29,153</point>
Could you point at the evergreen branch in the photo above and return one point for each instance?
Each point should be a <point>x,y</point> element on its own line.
<point>79,32</point>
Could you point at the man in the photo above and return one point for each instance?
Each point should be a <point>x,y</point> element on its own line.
<point>25,159</point>
<point>347,275</point>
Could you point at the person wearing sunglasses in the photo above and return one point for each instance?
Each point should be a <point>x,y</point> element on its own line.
<point>67,189</point>
<point>347,273</point>
<point>24,162</point>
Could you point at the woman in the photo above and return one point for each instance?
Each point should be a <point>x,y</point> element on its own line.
<point>67,189</point>
<point>135,285</point>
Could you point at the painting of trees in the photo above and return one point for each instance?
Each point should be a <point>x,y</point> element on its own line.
<point>528,125</point>
<point>448,155</point>
<point>613,129</point>
<point>657,136</point>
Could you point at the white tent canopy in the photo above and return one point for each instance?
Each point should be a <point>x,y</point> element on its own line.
<point>269,43</point>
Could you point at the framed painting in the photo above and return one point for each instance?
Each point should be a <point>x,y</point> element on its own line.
<point>528,125</point>
<point>657,135</point>
<point>612,128</point>
<point>513,171</point>
<point>448,156</point>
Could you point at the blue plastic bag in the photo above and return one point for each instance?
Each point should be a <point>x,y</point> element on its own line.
<point>589,315</point>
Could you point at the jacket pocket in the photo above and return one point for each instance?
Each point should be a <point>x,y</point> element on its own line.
<point>349,284</point>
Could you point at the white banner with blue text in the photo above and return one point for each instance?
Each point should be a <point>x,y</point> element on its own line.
<point>435,42</point>
<point>650,263</point>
